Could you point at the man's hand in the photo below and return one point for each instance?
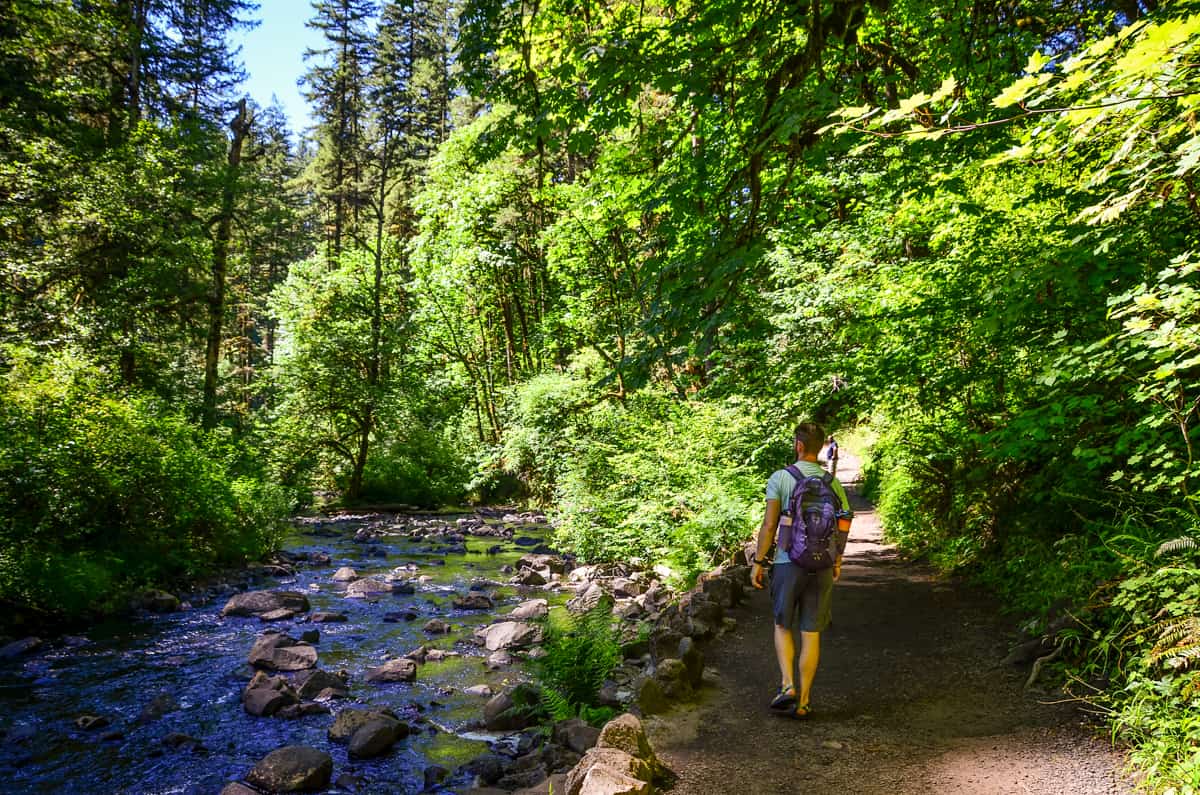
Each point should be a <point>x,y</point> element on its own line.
<point>756,576</point>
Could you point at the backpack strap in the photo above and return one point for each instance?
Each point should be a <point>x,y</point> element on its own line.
<point>801,484</point>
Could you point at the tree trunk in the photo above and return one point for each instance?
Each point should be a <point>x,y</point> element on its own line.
<point>220,262</point>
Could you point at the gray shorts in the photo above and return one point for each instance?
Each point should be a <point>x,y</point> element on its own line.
<point>793,588</point>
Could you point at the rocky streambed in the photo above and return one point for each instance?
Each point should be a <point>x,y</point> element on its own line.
<point>378,653</point>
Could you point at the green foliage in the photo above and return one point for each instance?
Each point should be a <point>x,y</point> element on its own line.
<point>103,493</point>
<point>662,480</point>
<point>423,468</point>
<point>581,652</point>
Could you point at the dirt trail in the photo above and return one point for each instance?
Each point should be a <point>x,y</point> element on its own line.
<point>909,698</point>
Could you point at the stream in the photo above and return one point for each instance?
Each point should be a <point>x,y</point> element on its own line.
<point>194,662</point>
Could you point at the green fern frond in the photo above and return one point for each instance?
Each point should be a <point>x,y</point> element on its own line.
<point>556,704</point>
<point>1175,545</point>
<point>1178,644</point>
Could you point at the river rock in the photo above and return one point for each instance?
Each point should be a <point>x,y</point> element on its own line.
<point>401,669</point>
<point>552,564</point>
<point>277,652</point>
<point>157,601</point>
<point>368,588</point>
<point>263,702</point>
<point>293,768</point>
<point>437,627</point>
<point>575,734</point>
<point>587,599</point>
<point>374,738</point>
<point>497,660</point>
<point>347,723</point>
<point>611,771</point>
<point>626,733</point>
<point>650,697</point>
<point>327,618</point>
<point>266,695</point>
<point>693,659</point>
<point>473,601</point>
<point>345,574</point>
<point>256,603</point>
<point>531,577</point>
<point>722,589</point>
<point>511,710</point>
<point>482,691</point>
<point>282,614</point>
<point>509,634</point>
<point>238,788</point>
<point>313,683</point>
<point>673,678</point>
<point>19,647</point>
<point>529,610</point>
<point>91,722</point>
<point>302,710</point>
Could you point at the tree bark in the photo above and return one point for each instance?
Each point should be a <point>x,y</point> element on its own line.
<point>220,264</point>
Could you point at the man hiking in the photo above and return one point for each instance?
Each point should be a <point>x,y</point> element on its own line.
<point>808,509</point>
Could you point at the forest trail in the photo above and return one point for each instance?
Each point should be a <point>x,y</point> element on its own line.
<point>910,697</point>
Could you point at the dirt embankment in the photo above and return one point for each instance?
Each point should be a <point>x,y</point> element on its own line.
<point>910,698</point>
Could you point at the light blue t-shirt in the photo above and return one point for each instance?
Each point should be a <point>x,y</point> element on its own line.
<point>780,485</point>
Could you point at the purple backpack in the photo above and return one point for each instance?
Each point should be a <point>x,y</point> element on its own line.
<point>806,528</point>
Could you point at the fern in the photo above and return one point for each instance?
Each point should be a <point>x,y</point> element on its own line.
<point>1178,644</point>
<point>556,704</point>
<point>1175,545</point>
<point>581,652</point>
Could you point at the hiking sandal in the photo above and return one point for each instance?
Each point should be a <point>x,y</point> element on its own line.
<point>784,700</point>
<point>802,712</point>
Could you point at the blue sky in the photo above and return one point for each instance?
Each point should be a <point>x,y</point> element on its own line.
<point>273,54</point>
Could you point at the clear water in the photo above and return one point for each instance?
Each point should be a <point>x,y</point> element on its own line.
<point>199,659</point>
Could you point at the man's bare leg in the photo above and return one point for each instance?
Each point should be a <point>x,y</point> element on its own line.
<point>810,655</point>
<point>785,655</point>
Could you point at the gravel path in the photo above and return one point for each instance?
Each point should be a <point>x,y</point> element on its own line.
<point>909,698</point>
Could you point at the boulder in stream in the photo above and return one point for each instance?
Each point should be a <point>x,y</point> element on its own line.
<point>529,610</point>
<point>509,634</point>
<point>256,603</point>
<point>267,695</point>
<point>401,669</point>
<point>293,768</point>
<point>347,722</point>
<point>375,738</point>
<point>473,601</point>
<point>313,683</point>
<point>345,574</point>
<point>369,588</point>
<point>327,618</point>
<point>157,601</point>
<point>278,652</point>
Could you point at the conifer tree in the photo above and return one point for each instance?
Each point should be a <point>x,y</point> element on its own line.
<point>336,86</point>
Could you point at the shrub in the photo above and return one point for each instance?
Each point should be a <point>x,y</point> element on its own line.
<point>423,468</point>
<point>662,480</point>
<point>103,493</point>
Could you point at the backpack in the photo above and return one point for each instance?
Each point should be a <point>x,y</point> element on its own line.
<point>806,531</point>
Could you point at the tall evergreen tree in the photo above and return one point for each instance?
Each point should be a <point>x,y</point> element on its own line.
<point>335,85</point>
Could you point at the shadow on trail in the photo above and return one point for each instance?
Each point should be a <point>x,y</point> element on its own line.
<point>910,698</point>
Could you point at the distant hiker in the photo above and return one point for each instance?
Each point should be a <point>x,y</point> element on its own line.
<point>831,454</point>
<point>809,509</point>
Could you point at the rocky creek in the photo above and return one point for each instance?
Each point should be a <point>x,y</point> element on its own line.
<point>162,702</point>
